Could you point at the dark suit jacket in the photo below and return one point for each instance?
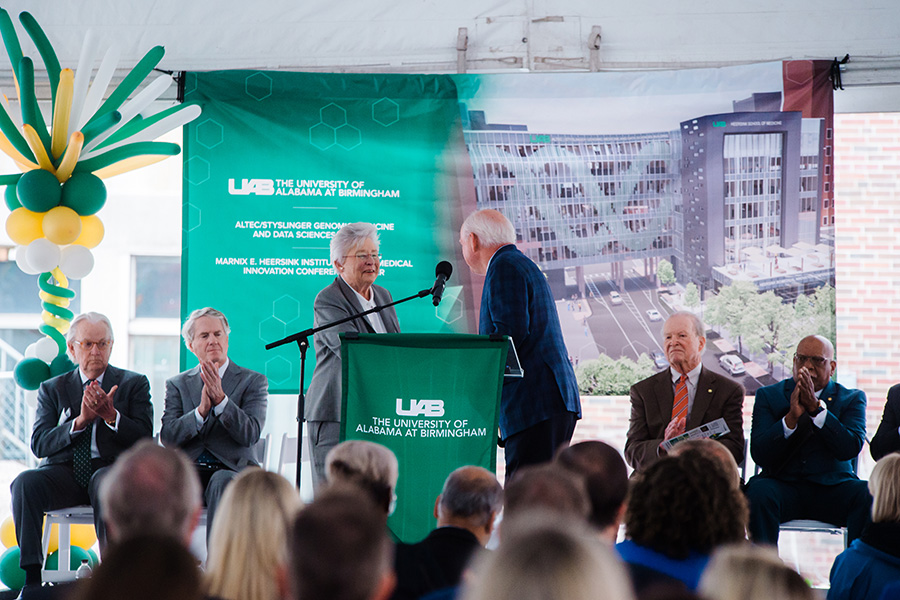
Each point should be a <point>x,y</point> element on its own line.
<point>651,410</point>
<point>887,438</point>
<point>516,301</point>
<point>436,562</point>
<point>824,456</point>
<point>335,302</point>
<point>50,437</point>
<point>229,437</point>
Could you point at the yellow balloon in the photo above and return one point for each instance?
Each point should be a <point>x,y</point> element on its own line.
<point>54,537</point>
<point>91,232</point>
<point>24,226</point>
<point>82,536</point>
<point>62,225</point>
<point>8,533</point>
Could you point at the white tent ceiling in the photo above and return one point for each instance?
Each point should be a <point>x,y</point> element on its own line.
<point>424,36</point>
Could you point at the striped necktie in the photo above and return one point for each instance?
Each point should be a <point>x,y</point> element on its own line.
<point>680,406</point>
<point>81,460</point>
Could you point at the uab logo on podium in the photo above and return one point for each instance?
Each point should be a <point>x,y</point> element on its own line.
<point>421,408</point>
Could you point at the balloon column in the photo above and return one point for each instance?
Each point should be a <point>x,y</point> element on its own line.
<point>55,199</point>
<point>81,538</point>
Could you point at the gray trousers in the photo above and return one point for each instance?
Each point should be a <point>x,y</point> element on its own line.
<point>323,436</point>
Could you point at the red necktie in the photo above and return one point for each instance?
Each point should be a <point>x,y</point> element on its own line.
<point>679,408</point>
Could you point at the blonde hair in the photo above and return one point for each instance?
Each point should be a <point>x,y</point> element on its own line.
<point>249,537</point>
<point>547,557</point>
<point>747,572</point>
<point>884,485</point>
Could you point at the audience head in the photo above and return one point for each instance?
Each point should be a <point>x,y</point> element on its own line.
<point>367,465</point>
<point>472,497</point>
<point>747,572</point>
<point>605,477</point>
<point>548,488</point>
<point>339,548</point>
<point>151,490</point>
<point>248,542</point>
<point>816,353</point>
<point>715,450</point>
<point>144,568</point>
<point>548,557</point>
<point>884,485</point>
<point>683,504</point>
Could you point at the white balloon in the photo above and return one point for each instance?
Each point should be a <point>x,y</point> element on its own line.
<point>22,261</point>
<point>31,351</point>
<point>46,349</point>
<point>42,255</point>
<point>76,261</point>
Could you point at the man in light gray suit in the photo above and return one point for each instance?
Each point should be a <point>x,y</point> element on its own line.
<point>354,254</point>
<point>215,411</point>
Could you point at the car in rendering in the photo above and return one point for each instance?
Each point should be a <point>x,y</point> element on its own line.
<point>660,360</point>
<point>732,363</point>
<point>654,315</point>
<point>615,298</point>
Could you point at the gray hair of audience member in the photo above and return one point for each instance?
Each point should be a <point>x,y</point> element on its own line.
<point>248,542</point>
<point>367,465</point>
<point>605,478</point>
<point>548,557</point>
<point>151,490</point>
<point>472,492</point>
<point>491,231</point>
<point>699,327</point>
<point>339,548</point>
<point>884,485</point>
<point>715,450</point>
<point>349,237</point>
<point>146,567</point>
<point>744,571</point>
<point>545,487</point>
<point>187,331</point>
<point>87,317</point>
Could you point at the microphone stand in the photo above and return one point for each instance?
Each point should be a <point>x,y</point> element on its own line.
<point>301,338</point>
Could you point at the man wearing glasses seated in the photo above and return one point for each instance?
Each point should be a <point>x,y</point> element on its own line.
<point>807,432</point>
<point>85,418</point>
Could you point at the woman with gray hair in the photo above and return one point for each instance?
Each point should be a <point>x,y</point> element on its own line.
<point>355,256</point>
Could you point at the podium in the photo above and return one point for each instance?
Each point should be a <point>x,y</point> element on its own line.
<point>434,400</point>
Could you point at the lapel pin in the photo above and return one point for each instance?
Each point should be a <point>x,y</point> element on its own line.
<point>709,391</point>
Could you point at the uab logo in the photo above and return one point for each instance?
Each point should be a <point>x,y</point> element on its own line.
<point>426,408</point>
<point>260,187</point>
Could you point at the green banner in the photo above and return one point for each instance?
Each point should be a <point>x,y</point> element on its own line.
<point>278,163</point>
<point>433,400</point>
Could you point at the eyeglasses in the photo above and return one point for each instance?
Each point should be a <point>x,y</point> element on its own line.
<point>101,345</point>
<point>364,257</point>
<point>816,360</point>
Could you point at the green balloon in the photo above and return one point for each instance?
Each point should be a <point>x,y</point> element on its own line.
<point>38,190</point>
<point>85,193</point>
<point>76,555</point>
<point>61,364</point>
<point>92,556</point>
<point>11,197</point>
<point>11,574</point>
<point>30,373</point>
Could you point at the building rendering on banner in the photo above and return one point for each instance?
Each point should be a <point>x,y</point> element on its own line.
<point>725,197</point>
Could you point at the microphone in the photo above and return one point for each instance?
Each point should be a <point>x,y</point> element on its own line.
<point>442,271</point>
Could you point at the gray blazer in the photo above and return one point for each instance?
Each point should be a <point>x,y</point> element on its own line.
<point>229,437</point>
<point>335,302</point>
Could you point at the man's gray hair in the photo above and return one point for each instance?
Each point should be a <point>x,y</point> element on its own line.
<point>472,492</point>
<point>88,317</point>
<point>150,490</point>
<point>187,332</point>
<point>699,327</point>
<point>490,230</point>
<point>350,236</point>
